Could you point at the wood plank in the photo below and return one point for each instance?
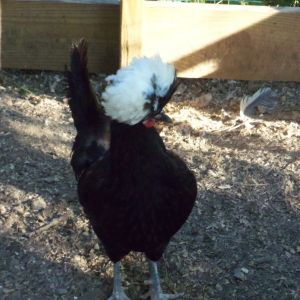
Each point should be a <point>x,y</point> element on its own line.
<point>81,1</point>
<point>131,30</point>
<point>0,34</point>
<point>38,34</point>
<point>215,41</point>
<point>224,41</point>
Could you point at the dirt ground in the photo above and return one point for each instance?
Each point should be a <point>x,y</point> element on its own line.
<point>242,240</point>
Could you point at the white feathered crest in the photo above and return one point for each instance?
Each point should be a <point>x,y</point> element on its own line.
<point>129,89</point>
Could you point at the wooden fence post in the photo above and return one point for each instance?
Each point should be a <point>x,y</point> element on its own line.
<point>131,30</point>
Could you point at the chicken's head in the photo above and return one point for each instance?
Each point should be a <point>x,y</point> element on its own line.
<point>139,91</point>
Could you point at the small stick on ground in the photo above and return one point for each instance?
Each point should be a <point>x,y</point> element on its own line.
<point>56,221</point>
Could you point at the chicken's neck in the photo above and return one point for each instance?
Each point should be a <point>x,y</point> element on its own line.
<point>132,141</point>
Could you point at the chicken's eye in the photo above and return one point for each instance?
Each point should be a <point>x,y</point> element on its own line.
<point>147,106</point>
<point>153,104</point>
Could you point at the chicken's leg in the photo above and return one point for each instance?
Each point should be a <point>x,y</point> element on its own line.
<point>118,291</point>
<point>156,292</point>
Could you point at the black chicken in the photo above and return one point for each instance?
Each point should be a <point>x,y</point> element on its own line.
<point>135,193</point>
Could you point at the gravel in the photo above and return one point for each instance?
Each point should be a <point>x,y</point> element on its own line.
<point>242,240</point>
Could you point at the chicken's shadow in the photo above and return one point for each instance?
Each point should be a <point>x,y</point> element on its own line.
<point>26,274</point>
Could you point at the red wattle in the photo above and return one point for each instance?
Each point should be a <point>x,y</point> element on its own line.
<point>149,123</point>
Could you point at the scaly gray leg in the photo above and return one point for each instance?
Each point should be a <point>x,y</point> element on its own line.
<point>118,292</point>
<point>156,292</point>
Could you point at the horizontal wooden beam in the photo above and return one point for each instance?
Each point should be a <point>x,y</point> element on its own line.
<point>214,41</point>
<point>38,34</point>
<point>224,41</point>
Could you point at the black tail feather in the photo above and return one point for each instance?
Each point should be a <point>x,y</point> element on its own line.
<point>92,125</point>
<point>82,99</point>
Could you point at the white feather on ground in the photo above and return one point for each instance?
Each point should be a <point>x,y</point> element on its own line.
<point>263,97</point>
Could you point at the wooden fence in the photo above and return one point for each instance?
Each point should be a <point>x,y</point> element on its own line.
<point>38,34</point>
<point>214,41</point>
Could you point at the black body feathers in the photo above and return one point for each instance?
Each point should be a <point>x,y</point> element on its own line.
<point>136,193</point>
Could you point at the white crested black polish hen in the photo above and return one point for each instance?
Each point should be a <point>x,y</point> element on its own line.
<point>135,193</point>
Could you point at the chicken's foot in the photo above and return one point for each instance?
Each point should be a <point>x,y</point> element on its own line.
<point>155,292</point>
<point>118,291</point>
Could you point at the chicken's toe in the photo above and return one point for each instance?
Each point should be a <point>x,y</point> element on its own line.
<point>118,296</point>
<point>160,296</point>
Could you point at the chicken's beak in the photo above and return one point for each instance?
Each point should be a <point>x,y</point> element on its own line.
<point>163,117</point>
